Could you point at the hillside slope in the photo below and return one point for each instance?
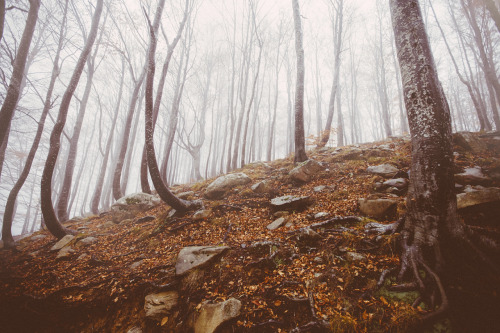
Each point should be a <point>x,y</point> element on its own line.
<point>308,265</point>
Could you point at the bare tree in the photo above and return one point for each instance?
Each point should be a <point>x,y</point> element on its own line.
<point>48,212</point>
<point>432,235</point>
<point>168,197</point>
<point>9,207</point>
<point>300,144</point>
<point>12,97</point>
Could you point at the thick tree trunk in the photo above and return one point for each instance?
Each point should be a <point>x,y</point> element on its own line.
<point>12,96</point>
<point>300,144</point>
<point>48,212</point>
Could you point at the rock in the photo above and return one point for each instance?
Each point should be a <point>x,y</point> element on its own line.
<point>478,197</point>
<point>62,243</point>
<point>136,264</point>
<point>469,142</point>
<point>185,195</point>
<point>384,170</point>
<point>38,237</point>
<point>319,188</point>
<point>261,187</point>
<point>307,237</point>
<point>82,256</point>
<point>399,183</point>
<point>64,253</point>
<point>305,170</point>
<point>276,223</point>
<point>135,329</point>
<point>218,188</point>
<point>159,305</point>
<point>378,208</point>
<point>130,205</point>
<point>354,256</point>
<point>212,315</point>
<point>201,214</point>
<point>290,202</point>
<point>472,176</point>
<point>86,241</point>
<point>321,215</point>
<point>195,256</point>
<point>109,224</point>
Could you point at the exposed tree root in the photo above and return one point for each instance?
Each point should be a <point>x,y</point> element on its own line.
<point>313,326</point>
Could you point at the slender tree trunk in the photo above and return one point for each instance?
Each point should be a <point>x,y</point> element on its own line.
<point>300,144</point>
<point>163,191</point>
<point>495,14</point>
<point>48,212</point>
<point>100,179</point>
<point>12,96</point>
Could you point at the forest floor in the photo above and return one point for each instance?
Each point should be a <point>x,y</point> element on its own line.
<point>283,281</point>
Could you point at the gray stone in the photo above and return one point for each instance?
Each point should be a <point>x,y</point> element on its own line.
<point>384,170</point>
<point>474,198</point>
<point>136,264</point>
<point>213,315</point>
<point>399,183</point>
<point>306,170</point>
<point>378,208</point>
<point>38,237</point>
<point>195,256</point>
<point>307,236</point>
<point>319,188</point>
<point>290,202</point>
<point>276,223</point>
<point>185,195</point>
<point>62,243</point>
<point>321,215</point>
<point>472,176</point>
<point>65,252</point>
<point>354,256</point>
<point>82,256</point>
<point>218,188</point>
<point>160,305</point>
<point>201,214</point>
<point>130,205</point>
<point>261,187</point>
<point>86,241</point>
<point>135,329</point>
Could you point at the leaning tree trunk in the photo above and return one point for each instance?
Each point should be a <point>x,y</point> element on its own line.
<point>12,97</point>
<point>48,212</point>
<point>300,144</point>
<point>11,200</point>
<point>163,191</point>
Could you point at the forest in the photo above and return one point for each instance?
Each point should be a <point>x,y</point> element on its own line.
<point>333,165</point>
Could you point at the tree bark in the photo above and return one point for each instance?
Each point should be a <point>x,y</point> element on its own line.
<point>163,191</point>
<point>300,145</point>
<point>12,96</point>
<point>48,212</point>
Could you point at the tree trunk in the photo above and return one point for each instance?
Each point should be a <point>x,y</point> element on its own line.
<point>12,96</point>
<point>300,144</point>
<point>100,180</point>
<point>163,191</point>
<point>495,14</point>
<point>48,212</point>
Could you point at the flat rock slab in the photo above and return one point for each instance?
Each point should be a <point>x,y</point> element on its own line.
<point>399,183</point>
<point>305,171</point>
<point>194,256</point>
<point>218,188</point>
<point>378,208</point>
<point>474,198</point>
<point>472,176</point>
<point>129,206</point>
<point>384,170</point>
<point>212,315</point>
<point>159,305</point>
<point>290,202</point>
<point>62,243</point>
<point>276,223</point>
